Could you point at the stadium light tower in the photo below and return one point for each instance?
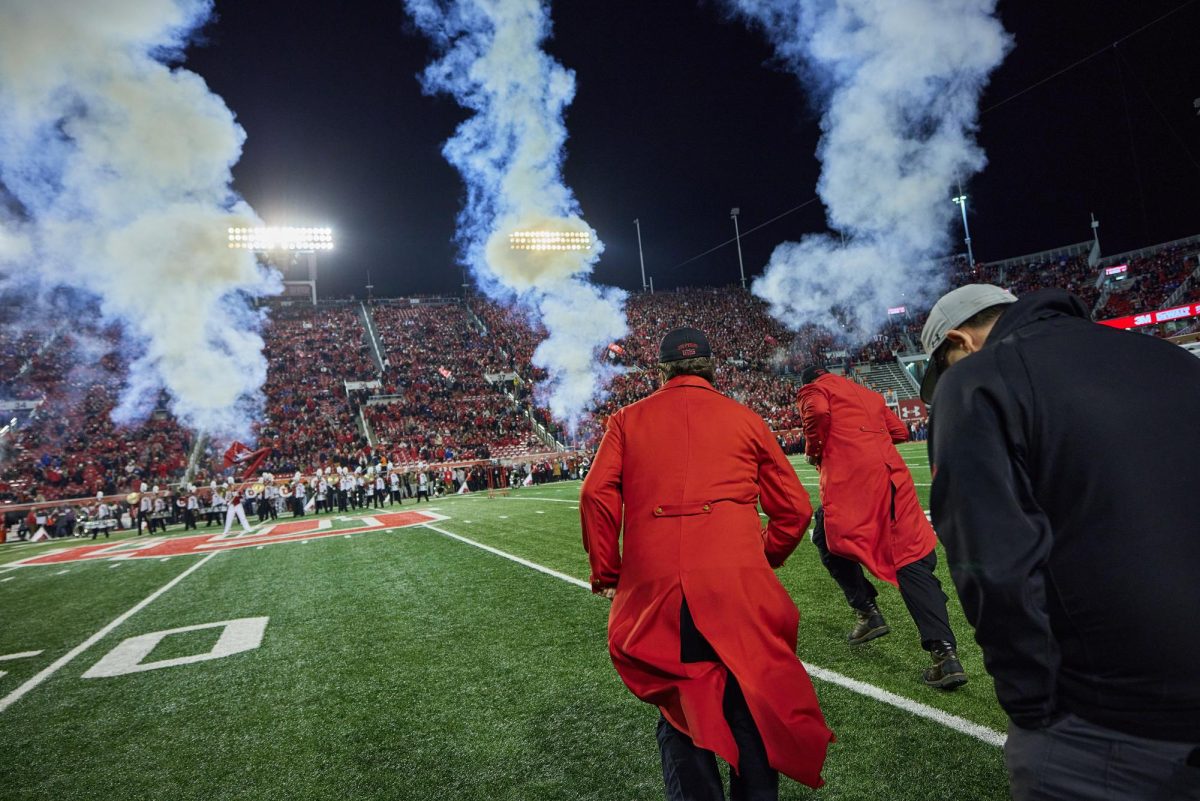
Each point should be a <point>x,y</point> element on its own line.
<point>275,241</point>
<point>737,236</point>
<point>961,200</point>
<point>641,258</point>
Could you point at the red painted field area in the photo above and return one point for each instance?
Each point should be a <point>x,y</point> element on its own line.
<point>291,531</point>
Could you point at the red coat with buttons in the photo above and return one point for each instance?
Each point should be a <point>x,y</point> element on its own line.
<point>680,474</point>
<point>872,514</point>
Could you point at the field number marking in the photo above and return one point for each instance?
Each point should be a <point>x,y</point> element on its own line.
<point>243,634</point>
<point>63,660</point>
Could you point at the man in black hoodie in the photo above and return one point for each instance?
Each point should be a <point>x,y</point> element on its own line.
<point>1063,492</point>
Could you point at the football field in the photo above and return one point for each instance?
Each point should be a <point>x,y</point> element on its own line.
<point>450,651</point>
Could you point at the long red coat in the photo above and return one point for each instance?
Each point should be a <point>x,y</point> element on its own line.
<point>851,432</point>
<point>681,471</point>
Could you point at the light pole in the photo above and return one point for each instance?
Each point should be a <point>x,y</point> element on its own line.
<point>641,258</point>
<point>961,200</point>
<point>288,239</point>
<point>737,235</point>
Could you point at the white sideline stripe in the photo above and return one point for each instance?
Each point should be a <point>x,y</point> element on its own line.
<point>961,725</point>
<point>55,666</point>
<point>512,557</point>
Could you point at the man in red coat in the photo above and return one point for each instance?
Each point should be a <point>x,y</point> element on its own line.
<point>700,626</point>
<point>870,516</point>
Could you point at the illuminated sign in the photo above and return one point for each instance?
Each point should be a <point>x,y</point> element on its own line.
<point>897,310</point>
<point>1150,318</point>
<point>1120,269</point>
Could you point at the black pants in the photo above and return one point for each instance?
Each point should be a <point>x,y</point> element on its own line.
<point>690,773</point>
<point>919,587</point>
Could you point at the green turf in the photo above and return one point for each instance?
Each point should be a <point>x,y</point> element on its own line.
<point>408,665</point>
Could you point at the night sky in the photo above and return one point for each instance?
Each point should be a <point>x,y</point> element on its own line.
<point>681,114</point>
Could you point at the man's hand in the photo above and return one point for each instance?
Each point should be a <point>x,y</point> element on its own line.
<point>815,461</point>
<point>607,592</point>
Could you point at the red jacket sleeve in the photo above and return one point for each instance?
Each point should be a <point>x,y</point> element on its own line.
<point>783,499</point>
<point>600,506</point>
<point>895,426</point>
<point>814,416</point>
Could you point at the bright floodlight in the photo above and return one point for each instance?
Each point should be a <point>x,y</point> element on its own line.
<point>550,240</point>
<point>298,239</point>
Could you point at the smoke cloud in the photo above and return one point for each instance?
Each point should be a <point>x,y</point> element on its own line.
<point>897,85</point>
<point>115,180</point>
<point>510,154</point>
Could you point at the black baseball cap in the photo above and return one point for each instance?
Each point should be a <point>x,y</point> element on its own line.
<point>683,343</point>
<point>812,373</point>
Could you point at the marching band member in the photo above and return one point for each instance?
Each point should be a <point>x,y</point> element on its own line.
<point>236,510</point>
<point>394,489</point>
<point>143,511</point>
<point>191,507</point>
<point>380,490</point>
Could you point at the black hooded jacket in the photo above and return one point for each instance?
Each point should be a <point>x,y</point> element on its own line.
<point>1066,491</point>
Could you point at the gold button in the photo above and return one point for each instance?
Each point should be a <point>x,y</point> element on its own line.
<point>658,510</point>
<point>707,508</point>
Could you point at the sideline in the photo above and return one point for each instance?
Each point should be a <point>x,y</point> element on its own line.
<point>59,663</point>
<point>950,721</point>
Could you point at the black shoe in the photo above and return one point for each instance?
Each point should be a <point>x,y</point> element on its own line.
<point>947,672</point>
<point>870,625</point>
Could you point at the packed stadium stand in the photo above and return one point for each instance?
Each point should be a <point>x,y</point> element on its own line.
<point>440,379</point>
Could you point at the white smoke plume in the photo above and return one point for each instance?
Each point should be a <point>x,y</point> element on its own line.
<point>510,154</point>
<point>115,180</point>
<point>898,85</point>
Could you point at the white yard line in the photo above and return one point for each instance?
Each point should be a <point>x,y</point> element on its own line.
<point>961,725</point>
<point>512,557</point>
<point>539,498</point>
<point>59,663</point>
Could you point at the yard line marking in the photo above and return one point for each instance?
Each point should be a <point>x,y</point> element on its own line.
<point>55,666</point>
<point>110,567</point>
<point>540,498</point>
<point>10,578</point>
<point>916,708</point>
<point>61,572</point>
<point>512,557</point>
<point>22,655</point>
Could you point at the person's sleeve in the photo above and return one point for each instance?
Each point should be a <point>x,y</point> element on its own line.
<point>600,506</point>
<point>997,542</point>
<point>814,419</point>
<point>783,499</point>
<point>896,428</point>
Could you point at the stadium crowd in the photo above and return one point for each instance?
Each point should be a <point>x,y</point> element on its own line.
<point>454,378</point>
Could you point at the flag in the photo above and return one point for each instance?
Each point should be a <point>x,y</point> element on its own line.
<point>239,454</point>
<point>236,454</point>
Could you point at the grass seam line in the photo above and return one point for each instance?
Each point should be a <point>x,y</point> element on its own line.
<point>915,708</point>
<point>59,663</point>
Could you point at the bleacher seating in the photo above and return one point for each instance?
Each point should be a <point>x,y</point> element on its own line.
<point>437,402</point>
